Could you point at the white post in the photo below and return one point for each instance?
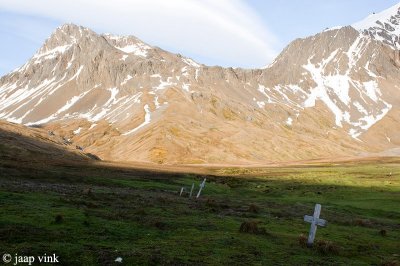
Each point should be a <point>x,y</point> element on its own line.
<point>313,228</point>
<point>191,190</point>
<point>201,187</point>
<point>180,194</point>
<point>315,221</point>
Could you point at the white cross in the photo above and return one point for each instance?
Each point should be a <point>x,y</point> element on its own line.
<point>191,190</point>
<point>182,189</point>
<point>315,221</point>
<point>202,185</point>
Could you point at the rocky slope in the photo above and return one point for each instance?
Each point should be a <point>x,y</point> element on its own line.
<point>334,94</point>
<point>21,144</point>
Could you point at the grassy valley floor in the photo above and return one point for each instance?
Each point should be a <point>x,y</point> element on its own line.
<point>90,214</point>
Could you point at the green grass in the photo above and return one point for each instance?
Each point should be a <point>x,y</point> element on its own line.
<point>139,216</point>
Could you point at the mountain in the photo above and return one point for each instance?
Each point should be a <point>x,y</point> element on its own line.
<point>331,95</point>
<point>384,26</point>
<point>31,146</point>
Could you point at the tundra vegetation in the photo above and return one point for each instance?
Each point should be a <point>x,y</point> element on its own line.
<point>93,213</point>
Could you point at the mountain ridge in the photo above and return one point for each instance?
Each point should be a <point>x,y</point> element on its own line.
<point>123,99</point>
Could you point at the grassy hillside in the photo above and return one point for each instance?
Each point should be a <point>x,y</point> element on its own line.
<point>55,200</point>
<point>90,215</point>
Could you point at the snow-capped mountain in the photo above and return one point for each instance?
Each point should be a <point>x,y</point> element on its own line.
<point>339,69</point>
<point>383,26</point>
<point>330,95</point>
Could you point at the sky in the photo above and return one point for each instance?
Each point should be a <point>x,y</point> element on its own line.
<point>229,33</point>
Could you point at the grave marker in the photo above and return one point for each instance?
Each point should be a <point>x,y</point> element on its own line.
<point>191,190</point>
<point>315,221</point>
<point>182,189</point>
<point>202,185</point>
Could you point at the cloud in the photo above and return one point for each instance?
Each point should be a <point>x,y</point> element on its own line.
<point>224,32</point>
<point>27,28</point>
<point>21,36</point>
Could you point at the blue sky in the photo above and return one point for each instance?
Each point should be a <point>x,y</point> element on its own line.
<point>235,33</point>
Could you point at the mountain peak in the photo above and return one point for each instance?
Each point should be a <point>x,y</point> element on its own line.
<point>383,26</point>
<point>64,37</point>
<point>128,44</point>
<point>69,34</point>
<point>73,31</point>
<point>70,27</point>
<point>388,18</point>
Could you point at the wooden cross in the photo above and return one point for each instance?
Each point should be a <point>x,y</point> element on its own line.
<point>315,221</point>
<point>202,185</point>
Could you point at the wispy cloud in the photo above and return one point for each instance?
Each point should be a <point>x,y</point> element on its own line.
<point>21,36</point>
<point>28,28</point>
<point>225,32</point>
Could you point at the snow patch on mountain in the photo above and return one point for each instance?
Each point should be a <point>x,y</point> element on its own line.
<point>355,51</point>
<point>372,90</point>
<point>186,87</point>
<point>147,120</point>
<point>387,18</point>
<point>164,84</point>
<point>156,103</point>
<point>113,99</point>
<point>368,121</point>
<point>321,92</point>
<point>129,45</point>
<point>138,49</point>
<point>263,90</point>
<point>113,108</point>
<point>129,77</point>
<point>261,104</point>
<point>333,28</point>
<point>190,62</point>
<point>383,26</point>
<point>77,131</point>
<point>41,56</point>
<point>64,108</point>
<point>334,92</point>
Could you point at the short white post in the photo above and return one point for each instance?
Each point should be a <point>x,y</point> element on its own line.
<point>191,190</point>
<point>202,185</point>
<point>182,189</point>
<point>315,221</point>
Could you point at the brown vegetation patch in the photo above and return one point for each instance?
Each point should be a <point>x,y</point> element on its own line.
<point>302,240</point>
<point>228,113</point>
<point>254,208</point>
<point>327,247</point>
<point>251,227</point>
<point>158,155</point>
<point>59,219</point>
<point>363,222</point>
<point>391,263</point>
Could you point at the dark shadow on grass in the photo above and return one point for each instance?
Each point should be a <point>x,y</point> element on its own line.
<point>97,202</point>
<point>40,158</point>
